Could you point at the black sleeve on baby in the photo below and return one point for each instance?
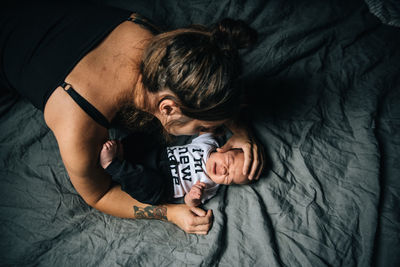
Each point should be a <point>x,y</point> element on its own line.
<point>143,184</point>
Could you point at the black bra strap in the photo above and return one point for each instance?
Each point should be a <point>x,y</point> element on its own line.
<point>86,106</point>
<point>144,22</point>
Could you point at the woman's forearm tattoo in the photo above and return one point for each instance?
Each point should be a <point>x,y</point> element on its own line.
<point>150,212</point>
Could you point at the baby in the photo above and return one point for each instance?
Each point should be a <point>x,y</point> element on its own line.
<point>195,170</point>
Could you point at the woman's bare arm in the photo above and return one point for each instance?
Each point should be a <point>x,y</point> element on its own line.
<point>109,198</point>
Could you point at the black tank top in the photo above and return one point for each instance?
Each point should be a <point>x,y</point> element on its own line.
<point>41,42</point>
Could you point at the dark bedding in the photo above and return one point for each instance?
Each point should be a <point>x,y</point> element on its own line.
<point>324,93</point>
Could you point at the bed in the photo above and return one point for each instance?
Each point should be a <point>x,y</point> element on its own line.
<point>323,88</point>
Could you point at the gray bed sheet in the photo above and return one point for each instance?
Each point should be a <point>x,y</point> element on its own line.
<point>324,100</point>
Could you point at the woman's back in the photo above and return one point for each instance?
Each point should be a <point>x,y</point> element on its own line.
<point>41,43</point>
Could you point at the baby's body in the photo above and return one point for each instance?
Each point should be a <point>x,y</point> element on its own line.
<point>197,169</point>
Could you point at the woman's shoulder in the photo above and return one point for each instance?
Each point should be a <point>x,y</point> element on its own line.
<point>101,77</point>
<point>130,34</point>
<point>69,122</point>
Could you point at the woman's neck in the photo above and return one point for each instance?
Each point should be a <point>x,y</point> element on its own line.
<point>139,96</point>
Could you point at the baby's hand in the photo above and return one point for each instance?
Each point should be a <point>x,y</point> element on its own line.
<point>194,196</point>
<point>108,153</point>
<point>197,190</point>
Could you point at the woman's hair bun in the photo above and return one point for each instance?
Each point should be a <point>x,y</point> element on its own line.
<point>230,34</point>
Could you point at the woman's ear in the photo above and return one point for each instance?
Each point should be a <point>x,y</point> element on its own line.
<point>168,107</point>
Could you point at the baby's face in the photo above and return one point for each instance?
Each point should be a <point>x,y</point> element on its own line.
<point>227,168</point>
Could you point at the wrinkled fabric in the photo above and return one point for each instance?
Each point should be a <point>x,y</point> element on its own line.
<point>324,100</point>
<point>388,11</point>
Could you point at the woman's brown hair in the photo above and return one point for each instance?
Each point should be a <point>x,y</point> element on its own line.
<point>200,65</point>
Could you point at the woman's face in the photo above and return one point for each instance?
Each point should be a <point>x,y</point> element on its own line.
<point>175,123</point>
<point>193,127</point>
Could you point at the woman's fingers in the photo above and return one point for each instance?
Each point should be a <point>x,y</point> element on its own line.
<point>255,164</point>
<point>224,148</point>
<point>200,224</point>
<point>192,220</point>
<point>248,157</point>
<point>198,211</point>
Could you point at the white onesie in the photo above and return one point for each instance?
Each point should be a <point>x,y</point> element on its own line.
<point>188,165</point>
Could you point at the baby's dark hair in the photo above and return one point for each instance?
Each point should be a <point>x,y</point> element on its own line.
<point>200,65</point>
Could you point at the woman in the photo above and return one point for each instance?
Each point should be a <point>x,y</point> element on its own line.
<point>81,63</point>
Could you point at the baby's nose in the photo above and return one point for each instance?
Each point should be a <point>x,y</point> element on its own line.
<point>221,170</point>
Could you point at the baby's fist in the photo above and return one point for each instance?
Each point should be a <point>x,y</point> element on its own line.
<point>197,190</point>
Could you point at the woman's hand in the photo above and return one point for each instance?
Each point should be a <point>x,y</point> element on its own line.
<point>192,220</point>
<point>253,152</point>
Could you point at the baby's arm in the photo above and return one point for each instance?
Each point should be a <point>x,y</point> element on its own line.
<point>144,184</point>
<point>193,198</point>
